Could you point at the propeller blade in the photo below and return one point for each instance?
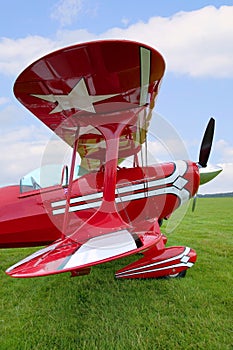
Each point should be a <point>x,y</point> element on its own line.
<point>206,143</point>
<point>194,203</point>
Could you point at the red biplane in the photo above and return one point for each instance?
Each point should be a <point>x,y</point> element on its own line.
<point>98,97</point>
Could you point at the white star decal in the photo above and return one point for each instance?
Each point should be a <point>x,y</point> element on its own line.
<point>77,98</point>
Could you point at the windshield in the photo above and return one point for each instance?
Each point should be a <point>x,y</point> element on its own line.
<point>47,176</point>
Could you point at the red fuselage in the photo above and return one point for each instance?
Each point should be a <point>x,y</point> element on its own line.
<point>35,217</point>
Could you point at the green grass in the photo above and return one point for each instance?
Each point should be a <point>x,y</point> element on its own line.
<point>99,312</point>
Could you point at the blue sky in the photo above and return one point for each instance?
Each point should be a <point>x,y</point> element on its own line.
<point>195,38</point>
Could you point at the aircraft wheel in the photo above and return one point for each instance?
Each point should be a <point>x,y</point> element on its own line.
<point>181,274</point>
<point>176,275</point>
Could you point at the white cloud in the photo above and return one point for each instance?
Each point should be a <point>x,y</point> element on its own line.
<point>17,54</point>
<point>125,21</point>
<point>10,116</point>
<point>165,143</point>
<point>197,43</point>
<point>21,151</point>
<point>4,100</point>
<point>66,11</point>
<point>21,144</point>
<point>225,151</point>
<point>28,147</point>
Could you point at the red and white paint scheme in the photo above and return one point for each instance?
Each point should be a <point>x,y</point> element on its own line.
<point>98,97</point>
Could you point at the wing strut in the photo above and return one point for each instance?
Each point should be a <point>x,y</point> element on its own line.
<point>69,192</point>
<point>106,219</point>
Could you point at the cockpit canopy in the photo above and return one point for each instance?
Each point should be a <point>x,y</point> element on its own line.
<point>47,176</point>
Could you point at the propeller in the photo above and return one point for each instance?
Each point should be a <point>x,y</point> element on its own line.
<point>206,173</point>
<point>194,202</point>
<point>206,144</point>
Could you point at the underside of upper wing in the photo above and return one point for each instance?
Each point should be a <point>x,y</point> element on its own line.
<point>89,84</point>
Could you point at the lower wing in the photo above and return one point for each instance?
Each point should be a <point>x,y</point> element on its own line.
<point>68,255</point>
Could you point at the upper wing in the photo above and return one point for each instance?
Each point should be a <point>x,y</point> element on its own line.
<point>79,85</point>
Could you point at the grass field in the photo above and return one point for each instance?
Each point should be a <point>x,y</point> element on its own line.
<point>99,312</point>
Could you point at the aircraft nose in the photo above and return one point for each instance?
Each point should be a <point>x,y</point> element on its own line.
<point>208,174</point>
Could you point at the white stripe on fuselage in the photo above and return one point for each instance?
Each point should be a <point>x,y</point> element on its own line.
<point>147,190</point>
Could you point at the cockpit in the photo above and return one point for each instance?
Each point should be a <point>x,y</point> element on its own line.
<point>48,176</point>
